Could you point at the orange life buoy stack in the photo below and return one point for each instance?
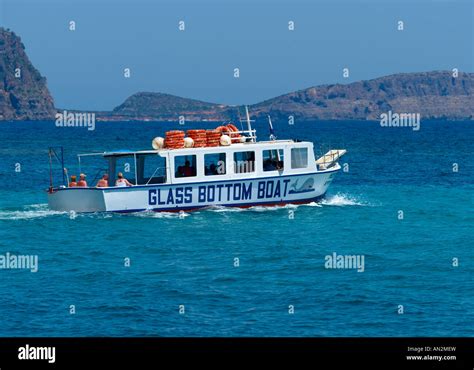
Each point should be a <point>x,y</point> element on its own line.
<point>213,137</point>
<point>224,130</point>
<point>174,139</point>
<point>199,137</point>
<point>233,133</point>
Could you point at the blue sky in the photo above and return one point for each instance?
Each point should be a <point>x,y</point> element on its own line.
<point>85,67</point>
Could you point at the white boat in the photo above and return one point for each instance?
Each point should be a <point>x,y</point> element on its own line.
<point>241,174</point>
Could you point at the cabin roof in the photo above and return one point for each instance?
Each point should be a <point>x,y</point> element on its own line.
<point>126,152</point>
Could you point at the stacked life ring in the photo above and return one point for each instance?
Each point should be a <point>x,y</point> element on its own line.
<point>213,137</point>
<point>199,137</point>
<point>174,139</point>
<point>224,130</point>
<point>233,133</point>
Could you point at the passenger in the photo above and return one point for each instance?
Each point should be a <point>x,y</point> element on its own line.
<point>179,172</point>
<point>269,165</point>
<point>73,182</point>
<point>213,169</point>
<point>266,164</point>
<point>122,181</point>
<point>82,180</point>
<point>103,182</point>
<point>188,170</point>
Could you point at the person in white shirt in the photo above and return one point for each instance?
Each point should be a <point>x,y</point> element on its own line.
<point>122,181</point>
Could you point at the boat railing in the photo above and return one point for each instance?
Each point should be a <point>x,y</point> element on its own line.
<point>250,134</point>
<point>58,154</point>
<point>329,159</point>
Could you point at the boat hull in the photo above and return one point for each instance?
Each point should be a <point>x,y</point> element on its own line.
<point>269,191</point>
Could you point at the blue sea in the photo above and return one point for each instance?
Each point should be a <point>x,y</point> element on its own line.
<point>184,279</point>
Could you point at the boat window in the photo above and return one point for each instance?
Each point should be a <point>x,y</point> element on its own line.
<point>214,164</point>
<point>244,162</point>
<point>126,165</point>
<point>299,157</point>
<point>154,169</point>
<point>185,166</point>
<point>272,159</point>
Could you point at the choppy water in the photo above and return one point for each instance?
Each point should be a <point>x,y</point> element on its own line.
<point>190,260</point>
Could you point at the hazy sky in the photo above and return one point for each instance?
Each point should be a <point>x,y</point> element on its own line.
<point>85,67</point>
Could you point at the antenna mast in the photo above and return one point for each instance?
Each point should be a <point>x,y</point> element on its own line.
<point>249,124</point>
<point>272,133</point>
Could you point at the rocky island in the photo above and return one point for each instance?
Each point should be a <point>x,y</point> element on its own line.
<point>165,107</point>
<point>24,94</point>
<point>433,95</point>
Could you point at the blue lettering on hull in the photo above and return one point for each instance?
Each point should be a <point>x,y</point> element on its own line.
<point>232,192</point>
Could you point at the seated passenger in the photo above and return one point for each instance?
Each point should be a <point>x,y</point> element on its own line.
<point>103,182</point>
<point>213,169</point>
<point>269,165</point>
<point>73,182</point>
<point>82,180</point>
<point>188,170</point>
<point>122,181</point>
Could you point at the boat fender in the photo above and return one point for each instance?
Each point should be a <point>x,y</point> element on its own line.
<point>158,143</point>
<point>188,142</point>
<point>225,140</point>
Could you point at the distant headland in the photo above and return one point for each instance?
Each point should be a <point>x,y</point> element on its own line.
<point>24,95</point>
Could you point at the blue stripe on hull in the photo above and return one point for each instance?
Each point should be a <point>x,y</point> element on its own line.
<point>238,205</point>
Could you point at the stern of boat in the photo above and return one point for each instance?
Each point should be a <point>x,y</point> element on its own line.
<point>76,199</point>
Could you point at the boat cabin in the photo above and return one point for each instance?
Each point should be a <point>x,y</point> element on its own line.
<point>187,165</point>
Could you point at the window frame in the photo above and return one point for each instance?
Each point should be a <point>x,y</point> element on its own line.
<point>175,168</point>
<point>235,165</point>
<point>306,158</point>
<point>281,152</point>
<point>215,154</point>
<point>145,163</point>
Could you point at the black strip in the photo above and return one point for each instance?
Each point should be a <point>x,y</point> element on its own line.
<point>320,352</point>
